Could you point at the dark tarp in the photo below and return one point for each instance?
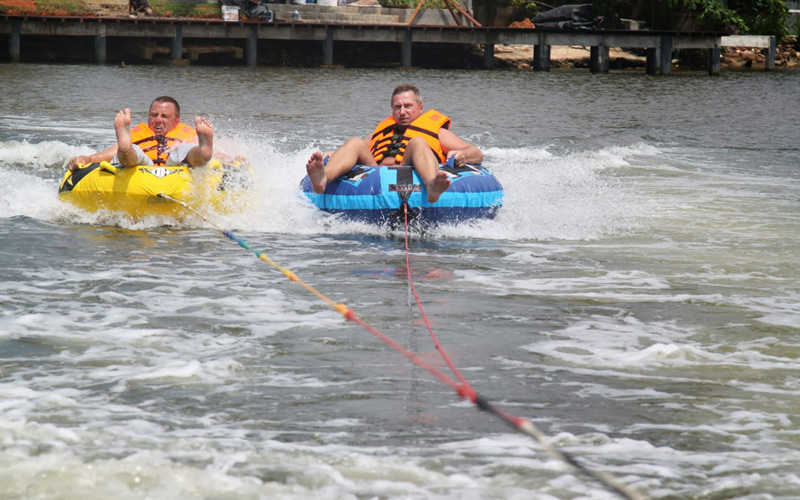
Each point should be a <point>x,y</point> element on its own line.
<point>566,17</point>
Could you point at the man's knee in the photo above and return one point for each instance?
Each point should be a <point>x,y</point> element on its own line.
<point>416,142</point>
<point>418,146</point>
<point>356,143</point>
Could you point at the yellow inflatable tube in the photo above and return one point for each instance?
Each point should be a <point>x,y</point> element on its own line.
<point>135,190</point>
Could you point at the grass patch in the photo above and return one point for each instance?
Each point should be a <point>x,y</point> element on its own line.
<point>64,7</point>
<point>47,7</point>
<point>411,4</point>
<point>178,9</point>
<point>161,8</point>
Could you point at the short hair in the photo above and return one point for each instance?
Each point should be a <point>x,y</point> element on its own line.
<point>166,98</point>
<point>407,87</point>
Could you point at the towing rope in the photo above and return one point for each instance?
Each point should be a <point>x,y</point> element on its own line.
<point>439,348</point>
<point>461,387</point>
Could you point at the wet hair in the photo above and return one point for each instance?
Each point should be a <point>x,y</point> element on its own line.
<point>166,98</point>
<point>407,87</point>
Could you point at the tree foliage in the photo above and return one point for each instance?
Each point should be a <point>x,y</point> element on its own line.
<point>530,8</point>
<point>754,17</point>
<point>757,17</point>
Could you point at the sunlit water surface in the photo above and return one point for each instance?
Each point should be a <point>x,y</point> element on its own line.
<point>637,296</point>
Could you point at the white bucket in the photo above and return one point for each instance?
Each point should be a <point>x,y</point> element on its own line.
<point>230,13</point>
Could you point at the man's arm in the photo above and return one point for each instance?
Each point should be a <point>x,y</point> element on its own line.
<point>105,155</point>
<point>464,152</point>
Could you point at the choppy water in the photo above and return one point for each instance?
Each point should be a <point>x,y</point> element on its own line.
<point>637,296</point>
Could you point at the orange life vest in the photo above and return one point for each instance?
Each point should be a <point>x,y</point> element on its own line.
<point>426,126</point>
<point>158,148</point>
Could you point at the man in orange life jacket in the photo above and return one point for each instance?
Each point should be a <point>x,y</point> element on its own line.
<point>407,137</point>
<point>163,140</point>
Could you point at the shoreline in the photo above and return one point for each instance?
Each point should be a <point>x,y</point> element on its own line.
<point>577,57</point>
<point>506,56</point>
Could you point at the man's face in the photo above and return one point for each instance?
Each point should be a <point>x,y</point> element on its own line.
<point>405,108</point>
<point>163,117</point>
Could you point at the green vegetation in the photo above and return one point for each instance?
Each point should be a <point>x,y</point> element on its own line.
<point>180,9</point>
<point>71,7</point>
<point>412,4</point>
<point>398,3</point>
<point>48,8</point>
<point>753,17</point>
<point>528,8</point>
<point>756,17</point>
<point>81,8</point>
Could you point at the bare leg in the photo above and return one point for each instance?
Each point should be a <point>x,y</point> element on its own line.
<point>201,154</point>
<point>122,126</point>
<point>353,152</point>
<point>419,154</point>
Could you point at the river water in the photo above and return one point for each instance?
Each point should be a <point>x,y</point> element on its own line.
<point>637,297</point>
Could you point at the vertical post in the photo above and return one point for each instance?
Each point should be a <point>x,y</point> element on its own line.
<point>100,45</point>
<point>14,41</point>
<point>598,58</point>
<point>488,55</point>
<point>406,55</point>
<point>653,60</point>
<point>327,47</point>
<point>714,61</point>
<point>252,47</point>
<point>177,43</point>
<point>541,54</point>
<point>666,54</point>
<point>769,64</point>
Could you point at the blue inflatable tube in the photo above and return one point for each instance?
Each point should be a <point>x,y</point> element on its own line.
<point>375,195</point>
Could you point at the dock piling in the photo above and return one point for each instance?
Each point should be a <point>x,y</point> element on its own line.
<point>666,54</point>
<point>100,49</point>
<point>653,60</point>
<point>599,61</point>
<point>252,47</point>
<point>769,64</point>
<point>714,61</point>
<point>177,43</point>
<point>488,55</point>
<point>327,47</point>
<point>541,58</point>
<point>406,49</point>
<point>14,41</point>
<point>541,54</point>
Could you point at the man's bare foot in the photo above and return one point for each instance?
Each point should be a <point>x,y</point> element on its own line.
<point>315,168</point>
<point>122,126</point>
<point>205,136</point>
<point>437,186</point>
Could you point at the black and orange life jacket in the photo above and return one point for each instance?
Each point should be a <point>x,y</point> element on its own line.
<point>157,148</point>
<point>426,126</point>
